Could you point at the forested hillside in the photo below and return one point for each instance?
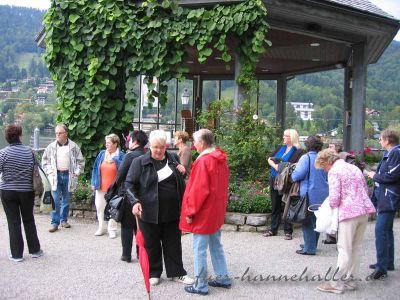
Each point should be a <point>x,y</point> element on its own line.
<point>19,26</point>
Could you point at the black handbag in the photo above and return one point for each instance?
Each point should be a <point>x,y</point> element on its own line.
<point>115,208</point>
<point>48,198</point>
<point>298,209</point>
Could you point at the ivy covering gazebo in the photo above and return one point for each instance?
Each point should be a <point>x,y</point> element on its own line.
<point>96,51</point>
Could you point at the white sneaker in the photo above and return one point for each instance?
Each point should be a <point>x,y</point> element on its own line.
<point>37,254</point>
<point>99,232</point>
<point>16,259</point>
<point>183,279</point>
<point>154,281</point>
<point>112,234</point>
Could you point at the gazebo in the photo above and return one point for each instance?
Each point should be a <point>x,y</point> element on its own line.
<point>307,36</point>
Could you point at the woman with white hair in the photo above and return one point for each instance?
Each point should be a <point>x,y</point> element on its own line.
<point>155,188</point>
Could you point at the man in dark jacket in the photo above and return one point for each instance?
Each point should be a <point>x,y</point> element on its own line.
<point>386,198</point>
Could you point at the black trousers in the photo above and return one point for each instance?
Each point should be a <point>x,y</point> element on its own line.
<point>277,210</point>
<point>17,205</point>
<point>128,228</point>
<point>163,239</point>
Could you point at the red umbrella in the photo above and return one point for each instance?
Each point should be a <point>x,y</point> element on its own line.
<point>143,258</point>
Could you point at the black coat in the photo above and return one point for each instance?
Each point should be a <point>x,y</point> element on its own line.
<point>118,187</point>
<point>142,185</point>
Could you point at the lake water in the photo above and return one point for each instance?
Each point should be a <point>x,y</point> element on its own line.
<point>26,139</point>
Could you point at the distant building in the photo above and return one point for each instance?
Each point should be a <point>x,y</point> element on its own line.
<point>372,112</point>
<point>40,100</point>
<point>303,110</point>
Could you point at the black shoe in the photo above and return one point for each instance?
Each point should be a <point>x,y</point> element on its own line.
<point>128,259</point>
<point>328,242</point>
<point>215,283</point>
<point>192,290</point>
<point>378,275</point>
<point>374,267</point>
<point>301,246</point>
<point>302,252</point>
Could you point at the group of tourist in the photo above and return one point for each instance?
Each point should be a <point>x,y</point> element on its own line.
<point>332,175</point>
<point>165,195</point>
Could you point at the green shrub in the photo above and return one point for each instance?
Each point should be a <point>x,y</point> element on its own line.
<point>247,140</point>
<point>83,193</point>
<point>249,197</point>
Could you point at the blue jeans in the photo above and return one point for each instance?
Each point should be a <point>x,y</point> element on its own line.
<point>384,241</point>
<point>310,236</point>
<point>61,199</point>
<point>200,245</point>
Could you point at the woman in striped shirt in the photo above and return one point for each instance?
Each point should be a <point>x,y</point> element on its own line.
<point>17,196</point>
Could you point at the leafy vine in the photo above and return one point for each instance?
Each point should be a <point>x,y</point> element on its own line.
<point>96,49</point>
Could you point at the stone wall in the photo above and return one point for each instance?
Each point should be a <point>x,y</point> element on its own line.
<point>246,222</point>
<point>86,211</point>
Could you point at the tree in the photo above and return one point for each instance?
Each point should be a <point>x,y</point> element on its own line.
<point>32,69</point>
<point>24,73</point>
<point>30,121</point>
<point>10,117</point>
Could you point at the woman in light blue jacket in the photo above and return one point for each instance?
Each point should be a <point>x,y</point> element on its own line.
<point>314,182</point>
<point>103,175</point>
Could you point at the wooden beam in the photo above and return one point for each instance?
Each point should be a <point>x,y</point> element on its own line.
<point>359,84</point>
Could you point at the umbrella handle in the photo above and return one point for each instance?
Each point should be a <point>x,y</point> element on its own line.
<point>137,222</point>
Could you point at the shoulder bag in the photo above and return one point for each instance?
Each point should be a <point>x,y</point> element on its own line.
<point>298,208</point>
<point>115,208</point>
<point>36,178</point>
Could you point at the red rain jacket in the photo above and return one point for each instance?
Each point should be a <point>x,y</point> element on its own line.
<point>206,194</point>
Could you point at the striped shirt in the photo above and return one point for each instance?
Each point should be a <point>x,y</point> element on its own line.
<point>16,167</point>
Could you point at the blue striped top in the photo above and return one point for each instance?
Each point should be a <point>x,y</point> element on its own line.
<point>16,167</point>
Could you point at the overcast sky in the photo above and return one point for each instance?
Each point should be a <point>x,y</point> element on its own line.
<point>390,6</point>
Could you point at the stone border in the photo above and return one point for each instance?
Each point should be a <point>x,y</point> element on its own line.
<point>246,222</point>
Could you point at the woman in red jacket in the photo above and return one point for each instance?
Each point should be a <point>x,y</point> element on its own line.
<point>203,212</point>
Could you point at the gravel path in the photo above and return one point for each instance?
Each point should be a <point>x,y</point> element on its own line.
<point>78,265</point>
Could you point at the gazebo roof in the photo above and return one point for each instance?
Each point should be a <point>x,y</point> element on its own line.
<point>310,36</point>
<point>363,5</point>
<point>306,35</point>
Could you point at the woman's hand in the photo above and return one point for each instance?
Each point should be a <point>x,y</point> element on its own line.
<point>189,220</point>
<point>272,164</point>
<point>137,209</point>
<point>371,174</point>
<point>181,169</point>
<point>92,188</point>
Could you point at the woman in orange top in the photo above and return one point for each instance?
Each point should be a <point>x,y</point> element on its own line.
<point>103,175</point>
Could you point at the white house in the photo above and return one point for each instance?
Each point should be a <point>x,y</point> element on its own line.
<point>303,110</point>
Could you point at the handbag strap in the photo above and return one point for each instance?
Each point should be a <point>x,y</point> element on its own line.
<point>309,170</point>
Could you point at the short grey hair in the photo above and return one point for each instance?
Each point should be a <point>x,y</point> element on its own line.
<point>204,135</point>
<point>63,126</point>
<point>158,135</point>
<point>326,157</point>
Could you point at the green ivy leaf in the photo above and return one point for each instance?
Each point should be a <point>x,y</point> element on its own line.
<point>73,18</point>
